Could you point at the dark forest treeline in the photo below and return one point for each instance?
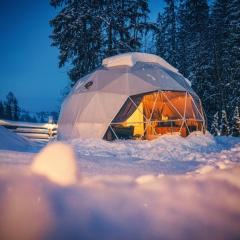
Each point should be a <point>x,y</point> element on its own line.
<point>204,44</point>
<point>202,41</point>
<point>10,110</point>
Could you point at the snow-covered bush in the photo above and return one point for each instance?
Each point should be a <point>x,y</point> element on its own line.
<point>236,123</point>
<point>215,125</point>
<point>224,127</point>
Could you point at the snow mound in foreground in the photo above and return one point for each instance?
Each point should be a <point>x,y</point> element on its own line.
<point>12,141</point>
<point>56,162</point>
<point>194,206</point>
<point>201,204</point>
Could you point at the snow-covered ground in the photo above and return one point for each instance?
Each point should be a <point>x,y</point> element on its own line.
<point>169,188</point>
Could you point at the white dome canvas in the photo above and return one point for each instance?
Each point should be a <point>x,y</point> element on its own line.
<point>129,81</point>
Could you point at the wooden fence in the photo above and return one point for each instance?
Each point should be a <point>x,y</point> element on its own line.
<point>34,131</point>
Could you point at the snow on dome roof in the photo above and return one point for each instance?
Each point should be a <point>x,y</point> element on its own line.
<point>130,59</point>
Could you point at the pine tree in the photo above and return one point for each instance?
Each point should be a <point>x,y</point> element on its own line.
<point>215,125</point>
<point>129,24</point>
<point>195,49</point>
<point>8,110</point>
<point>233,19</point>
<point>166,42</point>
<point>11,107</point>
<point>182,30</point>
<point>236,123</point>
<point>170,29</point>
<point>87,31</point>
<point>197,21</point>
<point>224,126</point>
<point>225,28</point>
<point>160,37</point>
<point>76,33</point>
<point>16,110</point>
<point>220,61</point>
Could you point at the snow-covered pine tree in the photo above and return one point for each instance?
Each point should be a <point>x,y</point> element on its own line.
<point>182,29</point>
<point>76,32</point>
<point>225,28</point>
<point>197,46</point>
<point>160,37</point>
<point>233,19</point>
<point>195,36</point>
<point>215,125</point>
<point>170,29</point>
<point>8,114</point>
<point>208,50</point>
<point>224,126</point>
<point>166,42</point>
<point>16,109</point>
<point>11,107</point>
<point>87,31</point>
<point>132,24</point>
<point>219,33</point>
<point>235,131</point>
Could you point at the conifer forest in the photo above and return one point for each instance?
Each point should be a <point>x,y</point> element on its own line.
<point>200,38</point>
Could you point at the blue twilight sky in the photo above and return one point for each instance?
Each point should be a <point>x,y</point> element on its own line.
<point>28,64</point>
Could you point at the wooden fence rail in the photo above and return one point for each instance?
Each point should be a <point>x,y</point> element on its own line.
<point>34,131</point>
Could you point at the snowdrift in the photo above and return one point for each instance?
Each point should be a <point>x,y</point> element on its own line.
<point>12,141</point>
<point>204,206</point>
<point>170,154</point>
<point>126,190</point>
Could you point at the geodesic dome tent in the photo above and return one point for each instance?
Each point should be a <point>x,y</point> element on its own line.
<point>133,95</point>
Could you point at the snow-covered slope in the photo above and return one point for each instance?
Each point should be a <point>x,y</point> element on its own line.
<point>12,141</point>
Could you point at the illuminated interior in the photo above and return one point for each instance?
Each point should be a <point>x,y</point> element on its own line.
<point>148,116</point>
